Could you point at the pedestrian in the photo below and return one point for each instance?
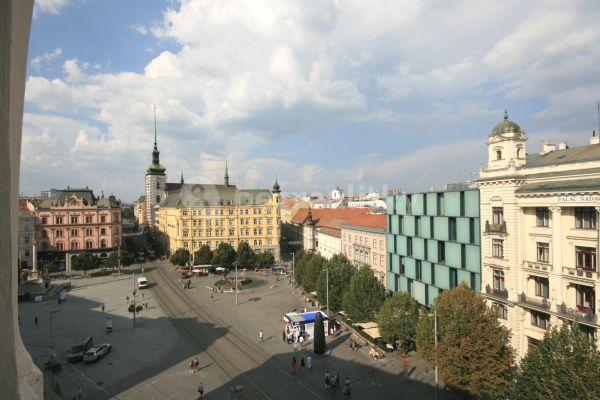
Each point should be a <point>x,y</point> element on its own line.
<point>327,381</point>
<point>294,364</point>
<point>142,295</point>
<point>346,390</point>
<point>283,336</point>
<point>146,304</point>
<point>260,336</point>
<point>334,382</point>
<point>189,283</point>
<point>200,390</point>
<point>301,339</point>
<point>128,299</point>
<point>35,320</point>
<point>211,297</point>
<point>102,307</point>
<point>196,365</point>
<point>191,369</point>
<point>302,364</point>
<point>79,393</point>
<point>309,362</point>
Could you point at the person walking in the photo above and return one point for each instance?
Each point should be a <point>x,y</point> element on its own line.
<point>309,362</point>
<point>200,391</point>
<point>346,389</point>
<point>302,364</point>
<point>196,365</point>
<point>191,369</point>
<point>35,320</point>
<point>327,381</point>
<point>283,336</point>
<point>301,340</point>
<point>79,393</point>
<point>294,364</point>
<point>102,307</point>
<point>260,336</point>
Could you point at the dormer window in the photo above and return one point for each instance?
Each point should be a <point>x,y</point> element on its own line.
<point>498,154</point>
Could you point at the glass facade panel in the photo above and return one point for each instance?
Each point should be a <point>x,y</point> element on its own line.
<point>472,203</point>
<point>473,258</point>
<point>462,230</point>
<point>426,272</point>
<point>418,291</point>
<point>418,248</point>
<point>424,229</point>
<point>409,226</point>
<point>417,204</point>
<point>464,276</point>
<point>410,268</point>
<point>431,203</point>
<point>401,204</point>
<point>401,245</point>
<point>452,206</point>
<point>442,279</point>
<point>440,226</point>
<point>432,250</point>
<point>453,255</point>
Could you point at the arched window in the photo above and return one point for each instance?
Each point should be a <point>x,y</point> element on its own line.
<point>498,154</point>
<point>88,244</point>
<point>103,243</point>
<point>74,246</point>
<point>60,246</point>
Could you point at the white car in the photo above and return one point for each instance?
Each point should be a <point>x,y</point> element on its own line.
<point>142,283</point>
<point>95,353</point>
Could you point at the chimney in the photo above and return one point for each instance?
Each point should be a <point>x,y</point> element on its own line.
<point>563,146</point>
<point>547,147</point>
<point>595,139</point>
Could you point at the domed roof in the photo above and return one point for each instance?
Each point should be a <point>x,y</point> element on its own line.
<point>276,188</point>
<point>506,126</point>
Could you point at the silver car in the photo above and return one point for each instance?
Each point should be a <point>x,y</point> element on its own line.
<point>95,353</point>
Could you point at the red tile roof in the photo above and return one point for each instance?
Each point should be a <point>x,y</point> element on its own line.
<point>373,221</point>
<point>330,217</point>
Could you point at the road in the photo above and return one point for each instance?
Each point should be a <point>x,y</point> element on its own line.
<point>243,361</point>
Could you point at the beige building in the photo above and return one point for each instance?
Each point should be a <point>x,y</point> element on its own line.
<point>194,215</point>
<point>363,242</point>
<point>539,234</point>
<point>27,256</point>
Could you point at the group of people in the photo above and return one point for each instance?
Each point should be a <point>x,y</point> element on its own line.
<point>293,335</point>
<point>354,344</point>
<point>303,364</point>
<point>194,366</point>
<point>184,284</point>
<point>332,383</point>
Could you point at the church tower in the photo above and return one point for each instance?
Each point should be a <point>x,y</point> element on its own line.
<point>155,182</point>
<point>506,145</point>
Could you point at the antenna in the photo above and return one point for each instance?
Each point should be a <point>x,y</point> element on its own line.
<point>598,109</point>
<point>154,125</point>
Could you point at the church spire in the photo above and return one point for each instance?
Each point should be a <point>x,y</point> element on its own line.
<point>155,152</point>
<point>226,175</point>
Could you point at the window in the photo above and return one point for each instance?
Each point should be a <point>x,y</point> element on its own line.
<point>103,219</point>
<point>585,218</point>
<point>231,232</point>
<point>103,231</point>
<point>45,220</point>
<point>417,223</point>
<point>158,198</point>
<point>88,232</point>
<point>418,270</point>
<point>543,252</point>
<point>452,228</point>
<point>585,298</point>
<point>59,220</point>
<point>26,239</point>
<point>88,219</point>
<point>158,185</point>
<point>60,246</point>
<point>88,244</point>
<point>374,243</point>
<point>541,320</point>
<point>498,154</point>
<point>59,233</point>
<point>408,204</point>
<point>497,215</point>
<point>74,232</point>
<point>409,246</point>
<point>541,287</point>
<point>498,248</point>
<point>453,278</point>
<point>74,246</point>
<point>463,255</point>
<point>501,310</point>
<point>441,252</point>
<point>74,219</point>
<point>440,203</point>
<point>531,343</point>
<point>462,204</point>
<point>585,258</point>
<point>542,215</point>
<point>498,279</point>
<point>472,230</point>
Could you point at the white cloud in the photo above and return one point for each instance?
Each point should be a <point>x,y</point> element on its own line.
<point>50,6</point>
<point>247,76</point>
<point>42,61</point>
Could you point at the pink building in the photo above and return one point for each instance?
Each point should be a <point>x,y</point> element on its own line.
<point>363,241</point>
<point>73,220</point>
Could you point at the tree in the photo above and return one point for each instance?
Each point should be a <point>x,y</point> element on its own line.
<point>127,213</point>
<point>473,352</point>
<point>84,261</point>
<point>245,255</point>
<point>565,365</point>
<point>180,257</point>
<point>203,256</point>
<point>397,320</point>
<point>112,261</point>
<point>340,273</point>
<point>265,259</point>
<point>157,241</point>
<point>299,266</point>
<point>311,272</point>
<point>319,332</point>
<point>364,296</point>
<point>224,255</point>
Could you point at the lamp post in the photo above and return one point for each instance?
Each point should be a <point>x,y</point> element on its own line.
<point>50,334</point>
<point>327,285</point>
<point>293,264</point>
<point>435,343</point>
<point>236,282</point>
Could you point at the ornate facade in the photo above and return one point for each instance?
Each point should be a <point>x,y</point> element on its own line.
<point>540,234</point>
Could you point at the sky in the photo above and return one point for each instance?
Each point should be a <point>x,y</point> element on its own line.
<point>366,95</point>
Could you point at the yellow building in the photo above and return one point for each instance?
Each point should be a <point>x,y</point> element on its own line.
<point>193,215</point>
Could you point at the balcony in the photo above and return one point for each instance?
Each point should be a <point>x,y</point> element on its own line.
<point>534,301</point>
<point>580,273</point>
<point>501,294</point>
<point>537,266</point>
<point>495,228</point>
<point>582,315</point>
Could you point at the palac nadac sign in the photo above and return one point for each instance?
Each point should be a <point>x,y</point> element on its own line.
<point>584,198</point>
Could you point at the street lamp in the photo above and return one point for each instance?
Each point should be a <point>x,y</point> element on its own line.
<point>327,288</point>
<point>293,264</point>
<point>236,282</point>
<point>435,341</point>
<point>50,334</point>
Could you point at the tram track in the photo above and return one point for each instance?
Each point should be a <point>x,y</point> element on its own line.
<point>248,358</point>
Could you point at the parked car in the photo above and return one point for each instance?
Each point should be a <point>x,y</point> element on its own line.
<point>96,352</point>
<point>142,283</point>
<point>78,350</point>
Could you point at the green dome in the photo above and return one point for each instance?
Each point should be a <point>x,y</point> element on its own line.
<point>156,169</point>
<point>506,126</point>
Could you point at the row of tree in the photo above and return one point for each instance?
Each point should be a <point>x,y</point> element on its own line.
<point>352,288</point>
<point>224,255</point>
<point>474,355</point>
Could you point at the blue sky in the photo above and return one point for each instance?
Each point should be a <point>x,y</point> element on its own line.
<point>314,93</point>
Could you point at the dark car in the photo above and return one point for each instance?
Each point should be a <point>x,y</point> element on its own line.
<point>96,352</point>
<point>78,350</point>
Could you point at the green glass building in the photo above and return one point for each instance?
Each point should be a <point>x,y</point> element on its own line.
<point>433,242</point>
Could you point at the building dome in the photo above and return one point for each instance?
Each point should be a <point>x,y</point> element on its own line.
<point>505,127</point>
<point>276,188</point>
